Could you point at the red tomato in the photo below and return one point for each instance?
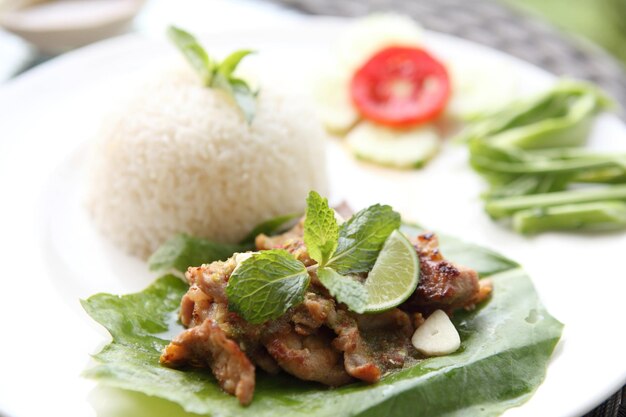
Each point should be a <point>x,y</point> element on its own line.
<point>401,86</point>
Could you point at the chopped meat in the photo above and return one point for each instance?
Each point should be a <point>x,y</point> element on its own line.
<point>485,287</point>
<point>197,306</point>
<point>312,313</point>
<point>263,359</point>
<point>358,358</point>
<point>443,285</point>
<point>194,306</point>
<point>391,319</point>
<point>371,344</point>
<point>292,241</point>
<point>206,344</point>
<point>417,319</point>
<point>319,339</point>
<point>311,357</point>
<point>212,278</point>
<point>388,336</point>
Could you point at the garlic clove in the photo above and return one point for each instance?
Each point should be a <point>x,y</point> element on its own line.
<point>437,336</point>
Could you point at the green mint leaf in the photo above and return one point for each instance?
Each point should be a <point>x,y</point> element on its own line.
<point>246,100</point>
<point>362,237</point>
<point>345,289</point>
<point>272,226</point>
<point>193,52</point>
<point>183,251</point>
<point>240,93</point>
<point>217,75</point>
<point>264,286</point>
<point>320,229</point>
<point>230,63</point>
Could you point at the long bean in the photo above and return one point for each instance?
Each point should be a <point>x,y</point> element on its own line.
<point>508,206</point>
<point>597,216</point>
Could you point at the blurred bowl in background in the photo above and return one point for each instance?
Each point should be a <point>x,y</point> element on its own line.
<point>56,26</point>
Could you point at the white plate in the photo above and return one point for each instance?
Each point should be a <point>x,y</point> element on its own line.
<point>52,256</point>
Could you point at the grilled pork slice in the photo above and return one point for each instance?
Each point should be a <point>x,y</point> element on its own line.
<point>443,284</point>
<point>207,345</point>
<point>310,357</point>
<point>292,241</point>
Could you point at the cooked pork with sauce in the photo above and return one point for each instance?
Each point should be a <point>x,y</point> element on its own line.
<point>319,339</point>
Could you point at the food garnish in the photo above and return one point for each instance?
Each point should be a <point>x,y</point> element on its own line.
<point>394,276</point>
<point>401,86</point>
<point>530,152</point>
<point>339,252</point>
<point>265,285</point>
<point>383,92</point>
<point>216,74</point>
<point>437,336</point>
<point>410,148</point>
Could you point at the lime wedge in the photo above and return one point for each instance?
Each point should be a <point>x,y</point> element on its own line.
<point>395,274</point>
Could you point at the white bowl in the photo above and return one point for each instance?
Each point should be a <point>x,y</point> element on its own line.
<point>60,25</point>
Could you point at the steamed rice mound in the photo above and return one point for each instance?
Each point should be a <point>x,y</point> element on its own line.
<point>179,157</point>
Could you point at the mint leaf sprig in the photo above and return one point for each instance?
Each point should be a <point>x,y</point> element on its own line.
<point>349,249</point>
<point>216,74</point>
<point>264,286</point>
<point>267,284</point>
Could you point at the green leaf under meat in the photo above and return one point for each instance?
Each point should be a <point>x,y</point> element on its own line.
<point>183,251</point>
<point>506,346</point>
<point>272,226</point>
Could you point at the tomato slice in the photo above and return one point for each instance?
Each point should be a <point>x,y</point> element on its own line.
<point>401,86</point>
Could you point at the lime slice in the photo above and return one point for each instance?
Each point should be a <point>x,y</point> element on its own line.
<point>395,274</point>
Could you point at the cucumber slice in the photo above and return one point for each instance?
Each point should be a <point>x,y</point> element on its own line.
<point>479,90</point>
<point>331,93</point>
<point>370,34</point>
<point>395,148</point>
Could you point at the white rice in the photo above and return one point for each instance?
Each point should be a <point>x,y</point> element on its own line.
<point>179,157</point>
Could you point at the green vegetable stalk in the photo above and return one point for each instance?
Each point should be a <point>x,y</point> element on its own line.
<point>600,216</point>
<point>513,171</point>
<point>531,155</point>
<point>560,117</point>
<point>508,206</point>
